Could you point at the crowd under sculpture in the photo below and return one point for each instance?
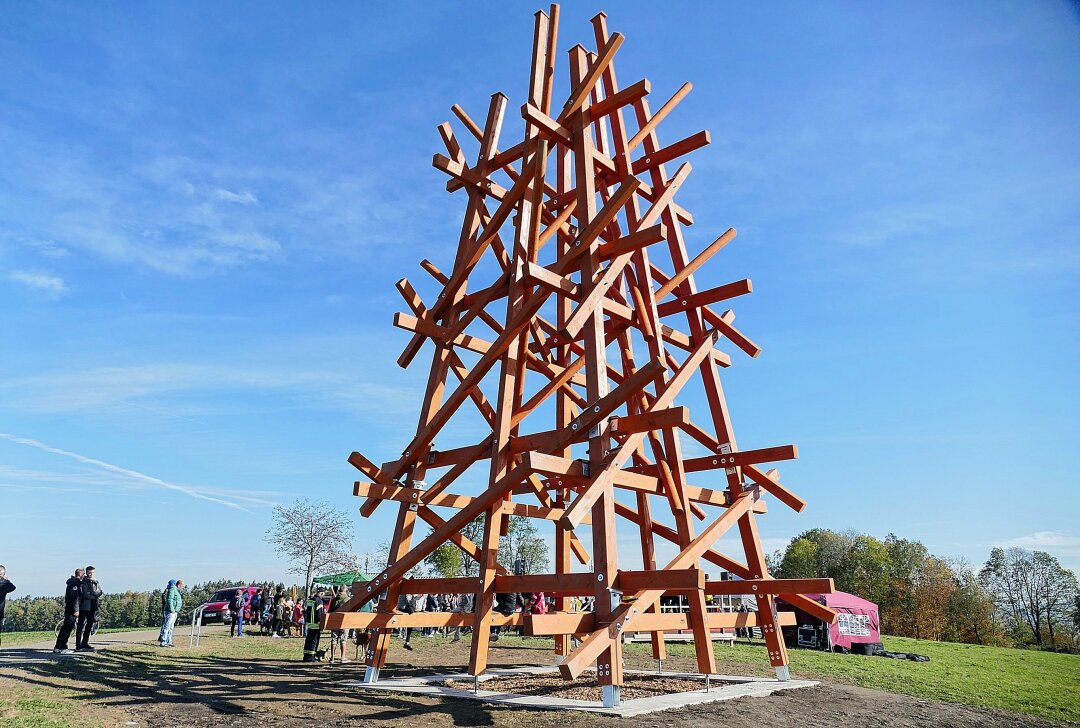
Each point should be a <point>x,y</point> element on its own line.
<point>573,348</point>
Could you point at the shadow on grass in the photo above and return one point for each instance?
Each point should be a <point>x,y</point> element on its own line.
<point>171,685</point>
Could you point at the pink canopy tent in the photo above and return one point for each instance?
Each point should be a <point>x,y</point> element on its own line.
<point>857,620</point>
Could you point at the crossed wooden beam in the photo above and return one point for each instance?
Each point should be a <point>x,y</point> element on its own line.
<point>577,324</point>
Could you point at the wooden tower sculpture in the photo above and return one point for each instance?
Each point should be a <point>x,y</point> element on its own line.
<point>579,226</point>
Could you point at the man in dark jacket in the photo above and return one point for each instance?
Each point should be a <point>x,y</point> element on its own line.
<point>89,596</point>
<point>6,587</point>
<point>507,605</point>
<point>314,611</point>
<point>405,606</point>
<point>72,597</point>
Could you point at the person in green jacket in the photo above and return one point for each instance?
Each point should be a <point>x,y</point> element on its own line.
<point>172,602</point>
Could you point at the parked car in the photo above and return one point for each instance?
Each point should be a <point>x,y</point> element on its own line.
<point>217,606</point>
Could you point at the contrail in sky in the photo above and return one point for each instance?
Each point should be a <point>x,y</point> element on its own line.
<point>123,471</point>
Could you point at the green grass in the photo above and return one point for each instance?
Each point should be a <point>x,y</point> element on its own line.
<point>15,639</point>
<point>25,706</point>
<point>1023,681</point>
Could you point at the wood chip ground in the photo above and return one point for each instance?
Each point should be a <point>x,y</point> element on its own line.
<point>584,688</point>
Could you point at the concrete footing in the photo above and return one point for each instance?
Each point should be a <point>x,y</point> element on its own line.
<point>432,686</point>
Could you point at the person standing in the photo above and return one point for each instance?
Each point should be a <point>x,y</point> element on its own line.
<point>254,609</point>
<point>337,636</point>
<point>297,617</point>
<point>89,598</point>
<point>6,587</point>
<point>72,597</point>
<point>314,611</point>
<point>431,604</point>
<point>459,605</point>
<point>405,606</point>
<point>508,605</point>
<point>172,602</point>
<point>278,613</point>
<point>236,609</point>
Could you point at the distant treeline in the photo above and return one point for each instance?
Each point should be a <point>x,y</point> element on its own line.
<point>1017,597</point>
<point>126,609</point>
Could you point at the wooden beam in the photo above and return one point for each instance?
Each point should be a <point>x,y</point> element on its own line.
<point>394,620</point>
<point>671,152</point>
<point>770,586</point>
<point>671,417</point>
<point>668,580</point>
<point>696,300</point>
<point>699,260</point>
<point>770,481</point>
<point>648,127</point>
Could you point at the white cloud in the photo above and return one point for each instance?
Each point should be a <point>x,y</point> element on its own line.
<point>188,215</point>
<point>240,198</point>
<point>132,475</point>
<point>1043,540</point>
<point>43,282</point>
<point>49,248</point>
<point>78,390</point>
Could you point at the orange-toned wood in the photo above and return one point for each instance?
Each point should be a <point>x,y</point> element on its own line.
<point>589,242</point>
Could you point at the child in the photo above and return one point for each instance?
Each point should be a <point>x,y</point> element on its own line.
<point>298,618</point>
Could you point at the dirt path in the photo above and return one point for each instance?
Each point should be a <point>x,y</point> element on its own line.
<point>131,682</point>
<point>106,640</point>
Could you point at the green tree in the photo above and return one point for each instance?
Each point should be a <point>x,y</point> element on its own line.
<point>523,543</point>
<point>800,561</point>
<point>448,560</point>
<point>970,613</point>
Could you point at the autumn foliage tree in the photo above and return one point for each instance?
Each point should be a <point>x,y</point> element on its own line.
<point>918,594</point>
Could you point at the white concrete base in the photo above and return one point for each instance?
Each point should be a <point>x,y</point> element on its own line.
<point>783,673</point>
<point>371,675</point>
<point>745,686</point>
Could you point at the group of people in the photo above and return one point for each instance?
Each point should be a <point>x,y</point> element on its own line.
<point>82,594</point>
<point>506,604</point>
<point>278,615</point>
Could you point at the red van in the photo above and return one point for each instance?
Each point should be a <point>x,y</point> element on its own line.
<point>216,608</point>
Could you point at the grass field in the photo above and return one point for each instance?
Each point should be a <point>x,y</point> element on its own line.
<point>1023,681</point>
<point>1020,681</point>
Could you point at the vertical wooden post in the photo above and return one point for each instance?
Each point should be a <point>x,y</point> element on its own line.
<point>605,553</point>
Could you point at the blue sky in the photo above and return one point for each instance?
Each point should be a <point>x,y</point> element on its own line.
<point>203,211</point>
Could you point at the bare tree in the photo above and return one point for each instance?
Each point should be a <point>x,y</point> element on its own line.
<point>313,536</point>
